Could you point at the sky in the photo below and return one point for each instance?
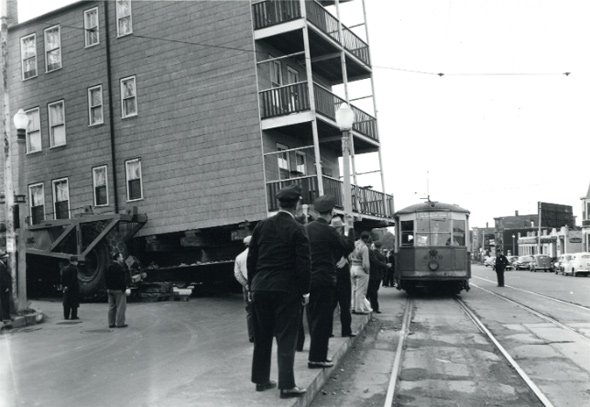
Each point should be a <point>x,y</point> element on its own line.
<point>501,129</point>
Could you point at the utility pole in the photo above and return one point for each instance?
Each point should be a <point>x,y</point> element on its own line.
<point>8,182</point>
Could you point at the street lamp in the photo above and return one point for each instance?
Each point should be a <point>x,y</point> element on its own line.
<point>21,122</point>
<point>345,120</point>
<point>513,252</point>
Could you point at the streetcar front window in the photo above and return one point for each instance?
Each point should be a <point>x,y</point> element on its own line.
<point>433,229</point>
<point>407,233</point>
<point>458,233</point>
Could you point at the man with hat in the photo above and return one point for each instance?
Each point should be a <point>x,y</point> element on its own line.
<point>327,248</point>
<point>278,276</point>
<point>5,288</point>
<point>343,286</point>
<point>71,289</point>
<point>241,275</point>
<point>378,266</point>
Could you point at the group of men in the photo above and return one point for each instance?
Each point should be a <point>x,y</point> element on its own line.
<point>287,265</point>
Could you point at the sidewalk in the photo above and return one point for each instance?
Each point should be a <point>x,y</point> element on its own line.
<point>193,353</point>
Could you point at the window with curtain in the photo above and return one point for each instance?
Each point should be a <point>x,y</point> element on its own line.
<point>57,124</point>
<point>95,111</point>
<point>91,34</point>
<point>128,97</point>
<point>33,131</point>
<point>61,198</point>
<point>52,49</point>
<point>37,203</point>
<point>99,180</point>
<point>124,24</point>
<point>134,179</point>
<point>28,52</point>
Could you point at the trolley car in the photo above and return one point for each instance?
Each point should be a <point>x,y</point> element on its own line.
<point>431,247</point>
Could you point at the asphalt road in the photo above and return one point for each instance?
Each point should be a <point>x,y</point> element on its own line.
<point>449,362</point>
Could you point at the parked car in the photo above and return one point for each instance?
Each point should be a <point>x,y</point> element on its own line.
<point>523,263</point>
<point>578,264</point>
<point>541,262</point>
<point>489,262</point>
<point>561,262</point>
<point>511,260</point>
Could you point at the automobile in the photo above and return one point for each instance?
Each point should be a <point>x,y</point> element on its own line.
<point>523,263</point>
<point>541,262</point>
<point>490,262</point>
<point>511,260</point>
<point>578,264</point>
<point>561,262</point>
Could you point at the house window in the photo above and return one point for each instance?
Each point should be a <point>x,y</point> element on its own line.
<point>100,183</point>
<point>37,203</point>
<point>283,159</point>
<point>588,211</point>
<point>124,24</point>
<point>28,54</point>
<point>134,180</point>
<point>300,162</point>
<point>33,131</point>
<point>95,105</point>
<point>292,75</point>
<point>128,97</point>
<point>57,124</point>
<point>91,35</point>
<point>276,74</point>
<point>52,49</point>
<point>61,198</point>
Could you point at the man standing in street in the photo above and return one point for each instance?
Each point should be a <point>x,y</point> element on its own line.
<point>71,289</point>
<point>501,262</point>
<point>241,274</point>
<point>117,279</point>
<point>379,267</point>
<point>343,285</point>
<point>279,277</point>
<point>5,287</point>
<point>327,248</point>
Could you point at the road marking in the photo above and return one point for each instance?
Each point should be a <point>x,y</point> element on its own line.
<point>512,362</point>
<point>540,295</point>
<point>398,353</point>
<point>534,312</point>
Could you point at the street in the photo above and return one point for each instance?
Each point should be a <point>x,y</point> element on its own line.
<point>197,353</point>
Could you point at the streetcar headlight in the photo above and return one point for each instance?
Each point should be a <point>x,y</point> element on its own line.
<point>433,265</point>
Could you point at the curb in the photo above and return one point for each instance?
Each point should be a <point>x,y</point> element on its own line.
<point>324,374</point>
<point>21,321</point>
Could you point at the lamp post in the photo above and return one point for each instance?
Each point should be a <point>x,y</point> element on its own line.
<point>513,252</point>
<point>345,120</point>
<point>21,122</point>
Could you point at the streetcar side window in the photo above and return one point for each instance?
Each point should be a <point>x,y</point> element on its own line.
<point>458,232</point>
<point>407,233</point>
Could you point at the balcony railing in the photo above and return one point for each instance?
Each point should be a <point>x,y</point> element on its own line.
<point>364,201</point>
<point>294,98</point>
<point>272,12</point>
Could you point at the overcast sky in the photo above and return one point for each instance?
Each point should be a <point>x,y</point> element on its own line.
<point>503,127</point>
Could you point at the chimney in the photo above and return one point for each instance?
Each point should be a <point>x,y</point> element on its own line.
<point>12,12</point>
<point>515,213</point>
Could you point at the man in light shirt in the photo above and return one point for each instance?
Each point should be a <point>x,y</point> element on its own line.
<point>241,274</point>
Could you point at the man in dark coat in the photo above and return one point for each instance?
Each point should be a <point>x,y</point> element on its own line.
<point>501,262</point>
<point>5,288</point>
<point>378,269</point>
<point>279,277</point>
<point>327,248</point>
<point>388,281</point>
<point>117,280</point>
<point>71,289</point>
<point>343,286</point>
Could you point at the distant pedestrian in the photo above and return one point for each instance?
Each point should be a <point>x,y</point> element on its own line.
<point>389,281</point>
<point>71,289</point>
<point>327,247</point>
<point>5,288</point>
<point>117,281</point>
<point>279,272</point>
<point>378,267</point>
<point>241,274</point>
<point>501,262</point>
<point>359,271</point>
<point>343,286</point>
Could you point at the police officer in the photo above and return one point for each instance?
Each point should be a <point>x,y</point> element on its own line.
<point>501,262</point>
<point>71,289</point>
<point>327,248</point>
<point>278,276</point>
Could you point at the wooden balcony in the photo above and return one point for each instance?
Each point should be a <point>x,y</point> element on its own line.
<point>294,98</point>
<point>272,12</point>
<point>365,201</point>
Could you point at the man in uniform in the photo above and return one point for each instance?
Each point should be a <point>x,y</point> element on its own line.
<point>71,290</point>
<point>327,248</point>
<point>379,267</point>
<point>501,262</point>
<point>278,277</point>
<point>343,285</point>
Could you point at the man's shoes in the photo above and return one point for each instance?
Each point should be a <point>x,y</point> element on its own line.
<point>265,386</point>
<point>377,312</point>
<point>294,392</point>
<point>320,365</point>
<point>75,318</point>
<point>112,326</point>
<point>331,335</point>
<point>349,335</point>
<point>361,312</point>
<point>122,326</point>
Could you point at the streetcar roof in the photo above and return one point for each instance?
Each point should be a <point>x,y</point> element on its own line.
<point>432,206</point>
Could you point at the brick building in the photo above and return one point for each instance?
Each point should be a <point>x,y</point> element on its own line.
<point>195,113</point>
